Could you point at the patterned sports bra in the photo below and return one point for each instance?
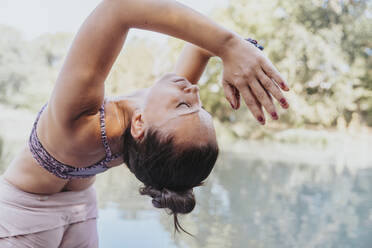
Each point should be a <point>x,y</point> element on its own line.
<point>65,171</point>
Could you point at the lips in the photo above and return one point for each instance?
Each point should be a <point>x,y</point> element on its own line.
<point>179,80</point>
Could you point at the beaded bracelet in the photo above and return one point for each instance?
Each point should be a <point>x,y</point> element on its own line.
<point>255,43</point>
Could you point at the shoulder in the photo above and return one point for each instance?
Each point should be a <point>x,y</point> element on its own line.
<point>85,135</point>
<point>81,135</point>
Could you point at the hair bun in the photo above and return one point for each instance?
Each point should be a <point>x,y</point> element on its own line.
<point>182,202</point>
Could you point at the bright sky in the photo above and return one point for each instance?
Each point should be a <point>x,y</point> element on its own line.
<point>36,17</point>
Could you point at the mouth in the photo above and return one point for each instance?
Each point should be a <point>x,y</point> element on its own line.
<point>179,80</point>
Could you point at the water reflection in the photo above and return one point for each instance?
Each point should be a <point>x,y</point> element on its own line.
<point>246,202</point>
<point>143,231</point>
<point>249,203</point>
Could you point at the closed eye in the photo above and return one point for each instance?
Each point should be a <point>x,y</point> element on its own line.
<point>183,103</point>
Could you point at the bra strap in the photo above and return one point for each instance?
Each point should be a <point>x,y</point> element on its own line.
<point>103,131</point>
<point>39,114</point>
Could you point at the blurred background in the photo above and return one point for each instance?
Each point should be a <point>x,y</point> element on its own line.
<point>303,181</point>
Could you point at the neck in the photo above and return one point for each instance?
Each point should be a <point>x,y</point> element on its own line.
<point>127,104</point>
<point>120,110</point>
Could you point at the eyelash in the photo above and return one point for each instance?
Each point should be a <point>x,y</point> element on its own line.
<point>183,103</point>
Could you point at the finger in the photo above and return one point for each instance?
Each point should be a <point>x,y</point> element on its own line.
<point>268,94</point>
<point>258,103</point>
<point>231,94</point>
<point>252,104</point>
<point>263,98</point>
<point>272,88</point>
<point>273,73</point>
<point>275,116</point>
<point>237,96</point>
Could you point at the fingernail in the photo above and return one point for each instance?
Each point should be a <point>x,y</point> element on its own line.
<point>232,105</point>
<point>283,85</point>
<point>261,120</point>
<point>284,103</point>
<point>236,104</point>
<point>274,115</point>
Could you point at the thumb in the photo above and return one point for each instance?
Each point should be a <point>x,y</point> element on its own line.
<point>232,94</point>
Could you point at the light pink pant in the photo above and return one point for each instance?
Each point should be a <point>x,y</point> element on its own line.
<point>66,219</point>
<point>77,235</point>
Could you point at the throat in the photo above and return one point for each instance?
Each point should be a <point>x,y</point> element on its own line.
<point>120,110</point>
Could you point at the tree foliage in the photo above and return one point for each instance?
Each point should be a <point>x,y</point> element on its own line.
<point>28,69</point>
<point>323,48</point>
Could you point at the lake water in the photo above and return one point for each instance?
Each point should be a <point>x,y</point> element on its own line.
<point>247,202</point>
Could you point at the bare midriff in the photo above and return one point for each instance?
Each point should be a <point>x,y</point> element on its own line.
<point>25,174</point>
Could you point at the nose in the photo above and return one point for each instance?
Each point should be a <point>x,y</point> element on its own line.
<point>192,89</point>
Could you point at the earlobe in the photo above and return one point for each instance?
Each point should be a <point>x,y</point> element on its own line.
<point>137,126</point>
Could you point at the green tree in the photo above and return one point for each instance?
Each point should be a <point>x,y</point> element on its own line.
<point>323,48</point>
<point>28,69</point>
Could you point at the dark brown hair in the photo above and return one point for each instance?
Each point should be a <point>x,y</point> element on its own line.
<point>169,172</point>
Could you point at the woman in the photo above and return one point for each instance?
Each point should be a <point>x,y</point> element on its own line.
<point>162,133</point>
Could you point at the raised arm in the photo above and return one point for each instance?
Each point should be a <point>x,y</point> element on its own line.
<point>192,62</point>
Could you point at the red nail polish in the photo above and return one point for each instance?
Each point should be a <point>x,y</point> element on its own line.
<point>274,115</point>
<point>283,85</point>
<point>283,101</point>
<point>260,119</point>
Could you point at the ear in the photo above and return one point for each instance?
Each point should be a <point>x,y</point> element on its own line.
<point>137,126</point>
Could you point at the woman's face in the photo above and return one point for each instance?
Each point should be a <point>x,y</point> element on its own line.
<point>173,106</point>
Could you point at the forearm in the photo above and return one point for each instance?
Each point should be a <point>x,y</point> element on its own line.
<point>174,19</point>
<point>192,62</point>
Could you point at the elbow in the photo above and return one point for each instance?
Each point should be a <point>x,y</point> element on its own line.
<point>121,10</point>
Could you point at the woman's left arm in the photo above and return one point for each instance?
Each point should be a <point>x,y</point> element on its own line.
<point>192,62</point>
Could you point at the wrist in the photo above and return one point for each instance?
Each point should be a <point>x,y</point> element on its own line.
<point>231,41</point>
